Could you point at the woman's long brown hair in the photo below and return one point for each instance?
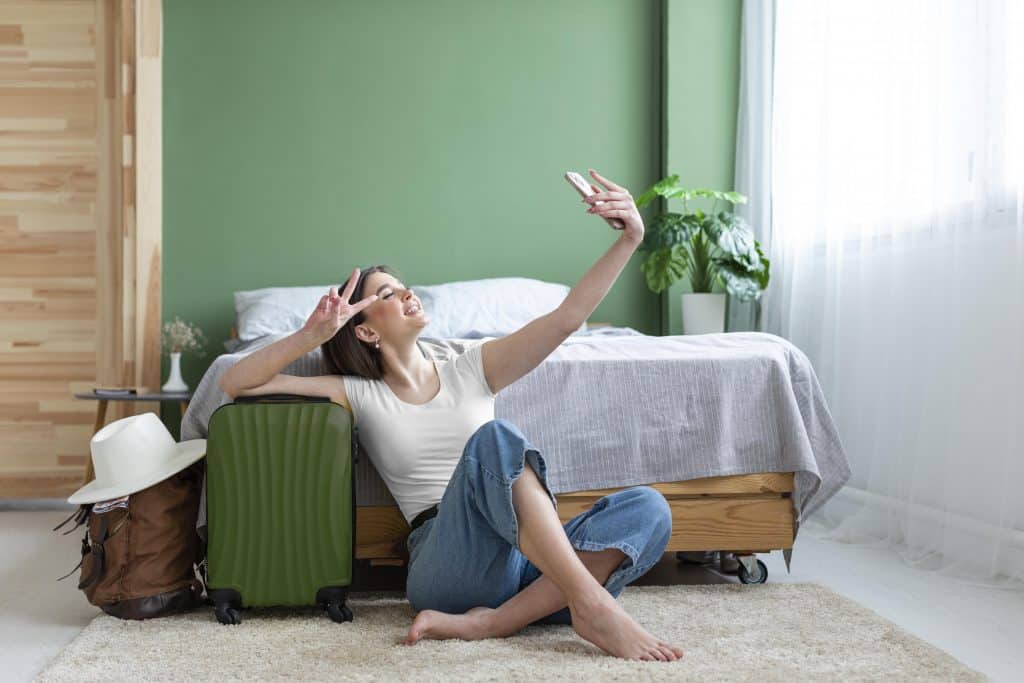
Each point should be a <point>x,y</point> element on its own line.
<point>343,353</point>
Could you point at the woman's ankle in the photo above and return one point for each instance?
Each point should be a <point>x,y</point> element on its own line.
<point>491,622</point>
<point>500,626</point>
<point>589,598</point>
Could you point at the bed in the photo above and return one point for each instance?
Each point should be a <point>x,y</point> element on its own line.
<point>732,428</point>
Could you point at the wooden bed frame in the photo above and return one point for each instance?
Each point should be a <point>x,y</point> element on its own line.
<point>742,514</point>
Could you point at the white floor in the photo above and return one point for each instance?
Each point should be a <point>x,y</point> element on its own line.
<point>983,628</point>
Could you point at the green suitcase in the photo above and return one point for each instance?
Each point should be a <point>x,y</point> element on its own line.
<point>280,505</point>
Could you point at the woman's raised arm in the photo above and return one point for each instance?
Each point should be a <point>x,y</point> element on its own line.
<point>507,359</point>
<point>261,367</point>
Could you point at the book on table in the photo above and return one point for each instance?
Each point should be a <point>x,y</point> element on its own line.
<point>115,391</point>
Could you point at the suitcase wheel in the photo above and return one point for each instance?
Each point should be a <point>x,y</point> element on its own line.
<point>226,614</point>
<point>227,604</point>
<point>338,612</point>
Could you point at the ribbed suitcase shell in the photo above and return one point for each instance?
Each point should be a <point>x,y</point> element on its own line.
<point>280,511</point>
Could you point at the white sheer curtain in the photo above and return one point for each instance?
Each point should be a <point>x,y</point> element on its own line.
<point>753,138</point>
<point>897,247</point>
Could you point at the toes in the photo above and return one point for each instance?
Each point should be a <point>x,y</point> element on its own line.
<point>670,656</point>
<point>658,654</point>
<point>674,651</point>
<point>416,631</point>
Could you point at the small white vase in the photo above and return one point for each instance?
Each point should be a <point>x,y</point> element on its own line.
<point>175,382</point>
<point>703,313</point>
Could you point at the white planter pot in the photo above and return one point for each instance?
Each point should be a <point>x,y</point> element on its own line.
<point>703,313</point>
<point>175,382</point>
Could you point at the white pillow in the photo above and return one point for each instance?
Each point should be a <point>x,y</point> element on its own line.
<point>492,307</point>
<point>274,310</point>
<point>457,310</point>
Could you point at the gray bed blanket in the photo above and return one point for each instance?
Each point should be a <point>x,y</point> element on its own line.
<point>617,408</point>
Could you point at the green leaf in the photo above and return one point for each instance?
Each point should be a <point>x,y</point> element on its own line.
<point>679,193</point>
<point>669,230</point>
<point>733,197</point>
<point>662,232</point>
<point>670,188</point>
<point>684,259</point>
<point>663,267</point>
<point>742,287</point>
<point>662,188</point>
<point>701,263</point>
<point>762,277</point>
<point>646,197</point>
<point>733,237</point>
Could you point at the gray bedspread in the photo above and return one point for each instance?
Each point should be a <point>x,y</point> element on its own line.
<point>616,408</point>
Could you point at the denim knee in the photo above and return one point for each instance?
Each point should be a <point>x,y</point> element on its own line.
<point>658,514</point>
<point>636,520</point>
<point>500,448</point>
<point>641,523</point>
<point>495,456</point>
<point>497,446</point>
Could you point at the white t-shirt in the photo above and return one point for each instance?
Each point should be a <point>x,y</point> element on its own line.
<point>416,448</point>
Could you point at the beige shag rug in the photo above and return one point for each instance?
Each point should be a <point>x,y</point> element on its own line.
<point>728,632</point>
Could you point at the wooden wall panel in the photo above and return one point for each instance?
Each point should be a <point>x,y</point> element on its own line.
<point>79,233</point>
<point>48,229</point>
<point>148,147</point>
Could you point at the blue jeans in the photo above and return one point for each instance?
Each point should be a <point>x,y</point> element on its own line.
<point>468,555</point>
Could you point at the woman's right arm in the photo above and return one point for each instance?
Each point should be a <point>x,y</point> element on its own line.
<point>259,372</point>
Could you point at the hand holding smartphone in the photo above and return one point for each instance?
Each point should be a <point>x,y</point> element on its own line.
<point>584,188</point>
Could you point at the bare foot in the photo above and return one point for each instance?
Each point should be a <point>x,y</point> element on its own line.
<point>602,621</point>
<point>473,625</point>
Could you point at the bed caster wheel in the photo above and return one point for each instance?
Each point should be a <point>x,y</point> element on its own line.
<point>226,614</point>
<point>338,612</point>
<point>758,575</point>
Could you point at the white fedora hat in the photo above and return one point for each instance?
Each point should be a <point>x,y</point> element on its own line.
<point>132,454</point>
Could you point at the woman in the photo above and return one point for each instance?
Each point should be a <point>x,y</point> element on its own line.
<point>488,554</point>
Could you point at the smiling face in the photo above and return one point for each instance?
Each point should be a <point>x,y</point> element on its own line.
<point>395,315</point>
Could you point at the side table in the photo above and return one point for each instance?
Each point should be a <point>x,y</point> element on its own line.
<point>182,397</point>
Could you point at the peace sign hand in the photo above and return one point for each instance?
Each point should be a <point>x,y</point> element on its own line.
<point>616,202</point>
<point>334,311</point>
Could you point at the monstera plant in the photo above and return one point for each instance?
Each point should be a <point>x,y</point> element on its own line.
<point>707,247</point>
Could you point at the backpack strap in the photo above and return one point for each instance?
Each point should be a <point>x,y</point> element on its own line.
<point>98,555</point>
<point>81,516</point>
<point>85,551</point>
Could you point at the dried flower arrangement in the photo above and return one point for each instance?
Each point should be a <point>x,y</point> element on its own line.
<point>179,336</point>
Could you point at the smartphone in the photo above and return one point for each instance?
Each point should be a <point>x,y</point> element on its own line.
<point>584,188</point>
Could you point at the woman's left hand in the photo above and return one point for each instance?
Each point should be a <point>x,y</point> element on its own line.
<point>617,202</point>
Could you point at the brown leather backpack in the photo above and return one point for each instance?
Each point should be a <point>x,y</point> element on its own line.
<point>138,560</point>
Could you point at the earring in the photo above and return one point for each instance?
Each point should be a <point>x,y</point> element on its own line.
<point>378,344</point>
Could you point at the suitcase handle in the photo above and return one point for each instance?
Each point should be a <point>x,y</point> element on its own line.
<point>281,398</point>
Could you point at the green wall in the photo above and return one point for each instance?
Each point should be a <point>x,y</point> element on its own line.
<point>702,71</point>
<point>303,139</point>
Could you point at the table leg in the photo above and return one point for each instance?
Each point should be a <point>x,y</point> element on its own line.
<point>101,415</point>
